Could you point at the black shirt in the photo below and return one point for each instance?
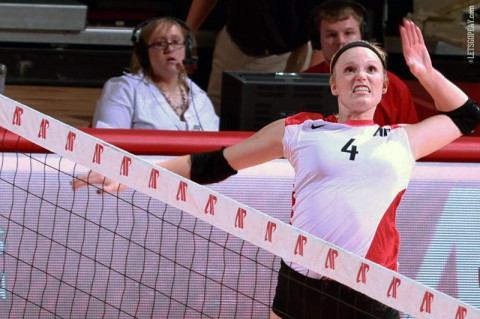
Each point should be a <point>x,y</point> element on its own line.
<point>269,26</point>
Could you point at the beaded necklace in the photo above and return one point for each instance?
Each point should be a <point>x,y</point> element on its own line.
<point>178,109</point>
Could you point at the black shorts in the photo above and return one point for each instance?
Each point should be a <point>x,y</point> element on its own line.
<point>298,296</point>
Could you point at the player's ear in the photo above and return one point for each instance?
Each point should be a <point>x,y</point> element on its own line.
<point>385,86</point>
<point>333,88</point>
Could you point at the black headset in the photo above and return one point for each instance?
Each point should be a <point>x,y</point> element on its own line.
<point>140,47</point>
<point>357,7</point>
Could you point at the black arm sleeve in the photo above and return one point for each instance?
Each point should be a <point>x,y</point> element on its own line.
<point>466,117</point>
<point>210,167</point>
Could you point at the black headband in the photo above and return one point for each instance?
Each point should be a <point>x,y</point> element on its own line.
<point>352,45</point>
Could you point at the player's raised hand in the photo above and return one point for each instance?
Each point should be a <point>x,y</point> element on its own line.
<point>414,50</point>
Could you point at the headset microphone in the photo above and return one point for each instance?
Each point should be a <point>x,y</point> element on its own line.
<point>140,47</point>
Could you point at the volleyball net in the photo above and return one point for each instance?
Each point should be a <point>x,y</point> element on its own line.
<point>170,248</point>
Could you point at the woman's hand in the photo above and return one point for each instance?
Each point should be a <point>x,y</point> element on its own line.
<point>414,50</point>
<point>108,185</point>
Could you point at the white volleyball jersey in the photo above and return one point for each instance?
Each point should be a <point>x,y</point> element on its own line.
<point>349,179</point>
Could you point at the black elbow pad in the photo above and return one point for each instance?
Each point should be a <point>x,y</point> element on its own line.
<point>466,117</point>
<point>210,167</point>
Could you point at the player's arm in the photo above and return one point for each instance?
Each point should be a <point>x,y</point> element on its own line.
<point>460,115</point>
<point>210,167</point>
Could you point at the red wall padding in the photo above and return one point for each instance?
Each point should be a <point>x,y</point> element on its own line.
<point>151,142</point>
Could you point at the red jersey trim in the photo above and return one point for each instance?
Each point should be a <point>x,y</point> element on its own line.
<point>386,242</point>
<point>299,118</point>
<point>359,122</point>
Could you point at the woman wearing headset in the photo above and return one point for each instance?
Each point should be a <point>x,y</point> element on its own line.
<point>156,93</point>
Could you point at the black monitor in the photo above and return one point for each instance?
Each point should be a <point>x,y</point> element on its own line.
<point>251,100</point>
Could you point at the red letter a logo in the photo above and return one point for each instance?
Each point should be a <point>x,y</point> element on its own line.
<point>152,182</point>
<point>461,313</point>
<point>126,162</point>
<point>241,213</point>
<point>362,273</point>
<point>17,116</point>
<point>392,290</point>
<point>42,132</point>
<point>271,226</point>
<point>331,256</point>
<point>301,242</point>
<point>427,302</point>
<point>97,156</point>
<point>70,141</point>
<point>182,191</point>
<point>210,206</point>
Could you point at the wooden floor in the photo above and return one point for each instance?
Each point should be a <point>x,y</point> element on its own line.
<point>71,105</point>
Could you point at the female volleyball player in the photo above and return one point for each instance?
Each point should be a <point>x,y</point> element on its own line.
<point>340,162</point>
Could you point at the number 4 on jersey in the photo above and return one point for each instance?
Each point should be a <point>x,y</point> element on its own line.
<point>349,148</point>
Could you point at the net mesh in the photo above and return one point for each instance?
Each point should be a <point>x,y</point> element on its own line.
<point>81,255</point>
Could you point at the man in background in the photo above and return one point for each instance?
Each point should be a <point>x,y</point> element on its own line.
<point>259,36</point>
<point>336,23</point>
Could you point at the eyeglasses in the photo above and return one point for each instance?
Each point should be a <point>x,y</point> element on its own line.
<point>162,45</point>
